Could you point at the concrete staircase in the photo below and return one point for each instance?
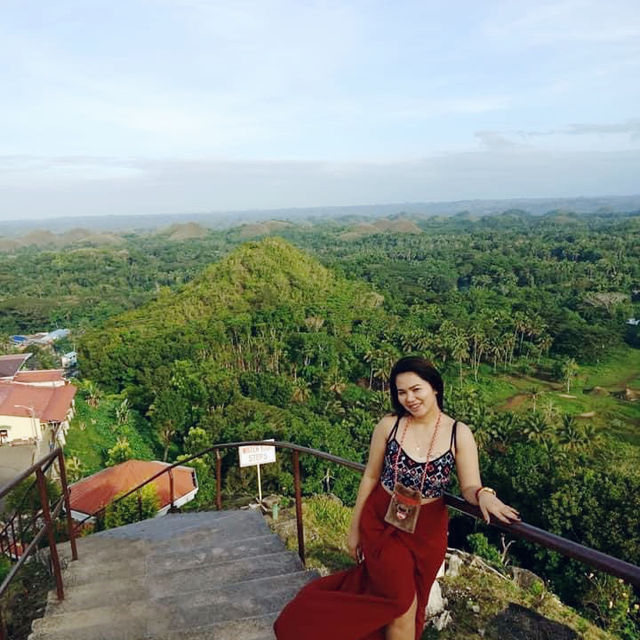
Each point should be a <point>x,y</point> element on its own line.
<point>214,575</point>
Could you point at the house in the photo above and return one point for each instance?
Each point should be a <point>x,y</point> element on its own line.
<point>35,410</point>
<point>90,494</point>
<point>69,359</point>
<point>31,413</point>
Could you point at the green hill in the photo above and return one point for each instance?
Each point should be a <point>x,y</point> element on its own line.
<point>262,285</point>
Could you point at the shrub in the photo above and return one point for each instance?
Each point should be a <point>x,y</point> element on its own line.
<point>483,548</point>
<point>138,506</point>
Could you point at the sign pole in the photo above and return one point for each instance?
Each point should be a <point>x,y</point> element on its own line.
<point>259,486</point>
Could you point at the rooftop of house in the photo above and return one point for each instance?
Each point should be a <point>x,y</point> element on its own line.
<point>11,364</point>
<point>49,404</point>
<point>92,493</point>
<point>39,375</point>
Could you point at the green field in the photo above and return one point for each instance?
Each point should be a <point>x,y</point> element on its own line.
<point>612,413</point>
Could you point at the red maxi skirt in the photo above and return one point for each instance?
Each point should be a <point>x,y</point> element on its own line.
<point>359,603</point>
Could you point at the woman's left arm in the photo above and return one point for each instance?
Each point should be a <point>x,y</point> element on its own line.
<point>469,479</point>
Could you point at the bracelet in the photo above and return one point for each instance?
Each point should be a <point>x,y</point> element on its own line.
<point>487,489</point>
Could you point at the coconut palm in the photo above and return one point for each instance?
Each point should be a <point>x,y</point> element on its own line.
<point>301,391</point>
<point>536,427</point>
<point>570,435</point>
<point>569,371</point>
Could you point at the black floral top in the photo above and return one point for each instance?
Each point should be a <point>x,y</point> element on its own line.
<point>410,471</point>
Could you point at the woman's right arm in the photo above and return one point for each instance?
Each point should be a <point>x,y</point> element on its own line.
<point>370,478</point>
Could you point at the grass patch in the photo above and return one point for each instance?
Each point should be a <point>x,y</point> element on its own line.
<point>326,525</point>
<point>616,417</point>
<point>475,597</point>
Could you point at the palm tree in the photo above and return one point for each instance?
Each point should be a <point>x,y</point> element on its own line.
<point>569,370</point>
<point>534,393</point>
<point>167,431</point>
<point>92,392</point>
<point>570,435</point>
<point>122,412</point>
<point>536,427</point>
<point>301,391</point>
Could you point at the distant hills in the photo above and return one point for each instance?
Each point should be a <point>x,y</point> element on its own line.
<point>226,219</point>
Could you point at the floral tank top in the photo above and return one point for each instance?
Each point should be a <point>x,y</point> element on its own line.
<point>410,471</point>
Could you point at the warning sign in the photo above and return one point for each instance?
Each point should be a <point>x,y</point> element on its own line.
<point>255,454</point>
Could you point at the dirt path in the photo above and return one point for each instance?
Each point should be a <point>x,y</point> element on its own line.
<point>514,401</point>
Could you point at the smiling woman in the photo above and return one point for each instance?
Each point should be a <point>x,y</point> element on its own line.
<point>399,528</point>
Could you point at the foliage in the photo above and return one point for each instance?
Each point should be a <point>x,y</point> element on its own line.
<point>26,496</point>
<point>479,545</point>
<point>120,452</point>
<point>93,431</point>
<point>5,567</point>
<point>138,506</point>
<point>611,604</point>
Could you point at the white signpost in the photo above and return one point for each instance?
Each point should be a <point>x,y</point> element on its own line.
<point>253,455</point>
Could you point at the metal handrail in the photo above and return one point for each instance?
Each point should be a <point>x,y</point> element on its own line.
<point>569,548</point>
<point>48,517</point>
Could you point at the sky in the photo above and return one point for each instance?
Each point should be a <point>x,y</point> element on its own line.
<point>169,106</point>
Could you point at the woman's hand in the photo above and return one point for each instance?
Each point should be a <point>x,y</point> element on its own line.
<point>353,541</point>
<point>491,505</point>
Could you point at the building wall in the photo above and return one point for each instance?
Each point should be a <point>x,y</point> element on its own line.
<point>21,428</point>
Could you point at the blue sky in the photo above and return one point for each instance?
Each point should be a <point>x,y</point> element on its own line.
<point>162,106</point>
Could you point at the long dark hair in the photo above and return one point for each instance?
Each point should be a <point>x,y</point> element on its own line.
<point>423,369</point>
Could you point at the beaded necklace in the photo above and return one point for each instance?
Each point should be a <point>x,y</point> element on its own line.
<point>426,464</point>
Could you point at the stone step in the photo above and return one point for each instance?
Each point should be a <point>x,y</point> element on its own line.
<point>166,527</point>
<point>102,551</point>
<point>214,575</point>
<point>224,573</point>
<point>82,591</point>
<point>249,525</point>
<point>221,551</point>
<point>80,573</point>
<point>105,592</point>
<point>121,622</point>
<point>254,628</point>
<point>220,607</point>
<point>231,602</point>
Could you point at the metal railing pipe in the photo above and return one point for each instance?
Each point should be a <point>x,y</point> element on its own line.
<point>53,549</point>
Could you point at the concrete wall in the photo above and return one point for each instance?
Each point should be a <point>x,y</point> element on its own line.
<point>19,428</point>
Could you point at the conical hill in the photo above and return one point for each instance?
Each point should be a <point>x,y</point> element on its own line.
<point>265,285</point>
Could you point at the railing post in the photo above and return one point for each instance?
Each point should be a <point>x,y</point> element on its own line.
<point>13,536</point>
<point>20,529</point>
<point>171,492</point>
<point>298,489</point>
<point>67,506</point>
<point>218,480</point>
<point>53,550</point>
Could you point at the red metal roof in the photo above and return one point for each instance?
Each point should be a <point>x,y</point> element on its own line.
<point>10,365</point>
<point>40,375</point>
<point>96,491</point>
<point>48,403</point>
